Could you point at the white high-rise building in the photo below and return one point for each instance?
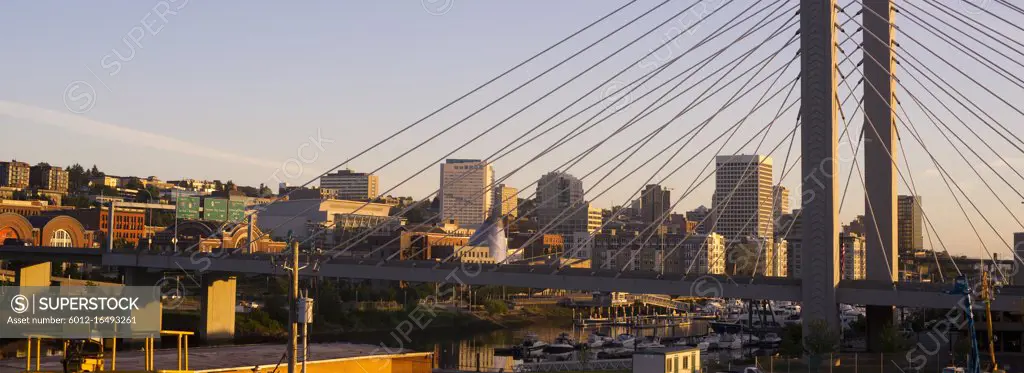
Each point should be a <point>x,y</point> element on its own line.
<point>350,185</point>
<point>466,193</point>
<point>748,212</point>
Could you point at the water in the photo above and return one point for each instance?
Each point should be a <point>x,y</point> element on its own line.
<point>466,350</point>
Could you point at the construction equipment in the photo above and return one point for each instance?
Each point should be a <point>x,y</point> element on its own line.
<point>961,287</point>
<point>986,296</point>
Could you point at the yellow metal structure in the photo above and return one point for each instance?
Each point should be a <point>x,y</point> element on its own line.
<point>97,363</point>
<point>986,295</point>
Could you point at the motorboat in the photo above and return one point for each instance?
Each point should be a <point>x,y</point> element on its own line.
<point>771,339</point>
<point>649,342</point>
<point>597,340</point>
<point>562,344</point>
<point>749,339</point>
<point>730,342</point>
<point>624,340</point>
<point>532,345</point>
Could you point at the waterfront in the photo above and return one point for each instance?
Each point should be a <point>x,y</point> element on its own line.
<point>466,349</point>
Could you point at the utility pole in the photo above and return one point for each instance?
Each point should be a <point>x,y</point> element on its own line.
<point>293,297</point>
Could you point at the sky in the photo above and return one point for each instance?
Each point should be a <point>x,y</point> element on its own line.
<point>260,93</point>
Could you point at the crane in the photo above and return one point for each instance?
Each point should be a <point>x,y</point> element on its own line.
<point>986,296</point>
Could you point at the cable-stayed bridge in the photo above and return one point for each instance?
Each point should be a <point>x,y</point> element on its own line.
<point>942,79</point>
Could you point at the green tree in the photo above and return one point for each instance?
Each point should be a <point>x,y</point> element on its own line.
<point>495,307</point>
<point>823,340</point>
<point>894,341</point>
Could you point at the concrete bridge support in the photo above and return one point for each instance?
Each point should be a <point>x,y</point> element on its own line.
<point>32,274</point>
<point>217,307</point>
<point>880,167</point>
<point>819,142</point>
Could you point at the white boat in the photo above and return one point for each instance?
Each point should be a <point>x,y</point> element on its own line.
<point>561,345</point>
<point>532,345</point>
<point>624,340</point>
<point>771,339</point>
<point>596,340</point>
<point>749,339</point>
<point>649,342</point>
<point>730,342</point>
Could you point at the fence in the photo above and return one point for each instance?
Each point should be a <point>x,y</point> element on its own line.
<point>839,363</point>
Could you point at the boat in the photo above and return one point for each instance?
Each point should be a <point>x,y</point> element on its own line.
<point>771,339</point>
<point>724,327</point>
<point>749,340</point>
<point>598,340</point>
<point>561,345</point>
<point>729,342</point>
<point>624,340</point>
<point>532,345</point>
<point>649,342</point>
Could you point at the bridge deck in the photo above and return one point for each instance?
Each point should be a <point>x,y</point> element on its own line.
<point>543,277</point>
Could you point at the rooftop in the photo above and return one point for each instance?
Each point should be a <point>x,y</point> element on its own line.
<point>213,358</point>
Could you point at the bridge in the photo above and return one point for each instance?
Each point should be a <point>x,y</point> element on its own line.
<point>824,47</point>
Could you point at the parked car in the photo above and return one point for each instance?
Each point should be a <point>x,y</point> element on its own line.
<point>15,242</point>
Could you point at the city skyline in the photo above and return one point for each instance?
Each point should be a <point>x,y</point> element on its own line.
<point>186,139</point>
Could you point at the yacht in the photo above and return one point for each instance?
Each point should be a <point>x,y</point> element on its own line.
<point>749,340</point>
<point>649,342</point>
<point>562,344</point>
<point>598,340</point>
<point>624,340</point>
<point>532,345</point>
<point>730,342</point>
<point>771,339</point>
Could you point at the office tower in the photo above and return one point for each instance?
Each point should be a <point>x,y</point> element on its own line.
<point>700,216</point>
<point>655,203</point>
<point>559,201</point>
<point>347,184</point>
<point>508,199</point>
<point>748,212</point>
<point>466,194</point>
<point>780,203</point>
<point>14,174</point>
<point>909,220</point>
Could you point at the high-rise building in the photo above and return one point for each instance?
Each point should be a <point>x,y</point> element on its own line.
<point>910,222</point>
<point>655,203</point>
<point>700,216</point>
<point>1018,250</point>
<point>743,196</point>
<point>780,203</point>
<point>853,260</point>
<point>466,194</point>
<point>508,199</point>
<point>349,185</point>
<point>559,203</point>
<point>14,174</point>
<point>49,178</point>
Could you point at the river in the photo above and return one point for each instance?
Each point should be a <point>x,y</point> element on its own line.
<point>468,350</point>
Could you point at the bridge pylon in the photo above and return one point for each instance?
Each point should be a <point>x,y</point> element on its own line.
<point>819,142</point>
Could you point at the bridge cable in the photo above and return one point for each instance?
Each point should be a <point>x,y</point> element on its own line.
<point>442,108</point>
<point>607,117</point>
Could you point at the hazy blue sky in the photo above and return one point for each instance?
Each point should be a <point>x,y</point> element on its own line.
<point>235,90</point>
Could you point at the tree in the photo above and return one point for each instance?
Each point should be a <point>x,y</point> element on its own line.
<point>95,172</point>
<point>42,164</point>
<point>823,340</point>
<point>894,341</point>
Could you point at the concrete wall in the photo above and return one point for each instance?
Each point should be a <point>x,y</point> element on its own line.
<point>399,363</point>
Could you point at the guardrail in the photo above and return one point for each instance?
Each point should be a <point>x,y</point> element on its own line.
<point>565,366</point>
